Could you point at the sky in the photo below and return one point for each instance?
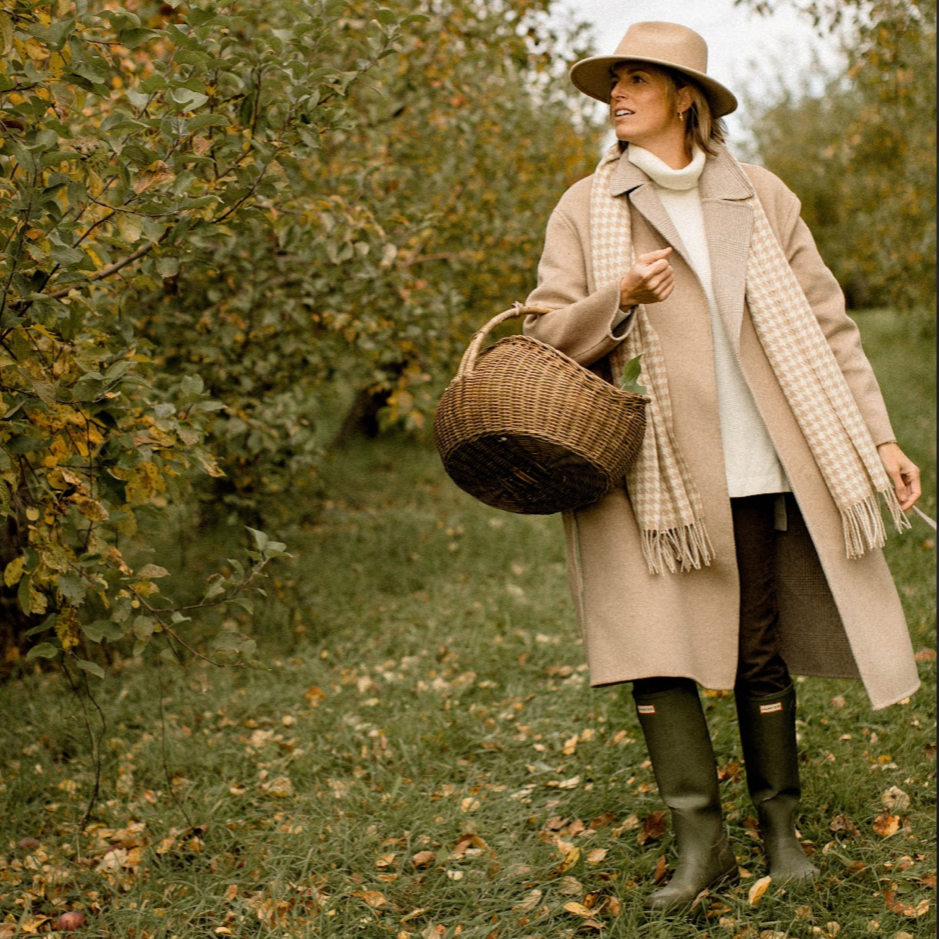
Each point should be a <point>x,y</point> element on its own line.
<point>746,52</point>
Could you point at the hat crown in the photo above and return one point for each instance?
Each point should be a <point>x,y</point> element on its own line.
<point>669,42</point>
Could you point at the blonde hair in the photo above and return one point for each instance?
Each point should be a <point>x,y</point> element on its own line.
<point>702,129</point>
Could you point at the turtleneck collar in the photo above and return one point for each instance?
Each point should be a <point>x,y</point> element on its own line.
<point>662,174</point>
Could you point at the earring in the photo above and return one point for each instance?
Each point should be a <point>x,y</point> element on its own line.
<point>681,115</point>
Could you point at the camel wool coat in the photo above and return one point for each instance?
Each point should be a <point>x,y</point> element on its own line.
<point>837,617</point>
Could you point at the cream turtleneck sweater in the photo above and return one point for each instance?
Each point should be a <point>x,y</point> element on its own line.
<point>750,459</point>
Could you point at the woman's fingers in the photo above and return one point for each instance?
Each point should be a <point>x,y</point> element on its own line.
<point>903,473</point>
<point>650,280</point>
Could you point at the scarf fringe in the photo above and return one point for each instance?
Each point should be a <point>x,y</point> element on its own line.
<point>864,526</point>
<point>677,549</point>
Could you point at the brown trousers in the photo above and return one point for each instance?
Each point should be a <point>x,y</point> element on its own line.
<point>760,667</point>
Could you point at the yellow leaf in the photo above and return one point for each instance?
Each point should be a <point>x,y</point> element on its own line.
<point>91,509</point>
<point>67,629</point>
<point>596,855</point>
<point>14,571</point>
<point>372,897</point>
<point>758,889</point>
<point>578,909</point>
<point>886,825</point>
<point>130,226</point>
<point>570,859</point>
<point>6,34</point>
<point>156,172</point>
<point>144,483</point>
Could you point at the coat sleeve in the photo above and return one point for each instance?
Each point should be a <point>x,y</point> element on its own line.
<point>827,300</point>
<point>585,326</point>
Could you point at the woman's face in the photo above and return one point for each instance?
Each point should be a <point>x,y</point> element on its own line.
<point>640,105</point>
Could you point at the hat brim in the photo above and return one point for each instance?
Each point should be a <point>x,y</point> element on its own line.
<point>592,77</point>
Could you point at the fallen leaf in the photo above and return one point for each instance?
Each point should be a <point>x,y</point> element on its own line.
<point>843,823</point>
<point>578,909</point>
<point>899,908</point>
<point>372,897</point>
<point>571,887</point>
<point>661,869</point>
<point>423,859</point>
<point>469,841</point>
<point>886,825</point>
<point>758,889</point>
<point>570,859</point>
<point>653,826</point>
<point>530,902</point>
<point>895,800</point>
<point>596,855</point>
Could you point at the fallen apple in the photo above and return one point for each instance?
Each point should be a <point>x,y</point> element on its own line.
<point>69,922</point>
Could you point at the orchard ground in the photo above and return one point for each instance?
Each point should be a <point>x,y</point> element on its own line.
<point>422,756</point>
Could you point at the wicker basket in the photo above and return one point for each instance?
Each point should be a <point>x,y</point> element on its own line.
<point>524,428</point>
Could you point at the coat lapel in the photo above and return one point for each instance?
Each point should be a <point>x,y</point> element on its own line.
<point>631,182</point>
<point>728,223</point>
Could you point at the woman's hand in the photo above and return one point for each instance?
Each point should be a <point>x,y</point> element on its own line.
<point>904,473</point>
<point>651,280</point>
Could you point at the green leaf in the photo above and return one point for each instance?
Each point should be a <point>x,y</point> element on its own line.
<point>91,667</point>
<point>72,588</point>
<point>136,37</point>
<point>260,539</point>
<point>45,650</point>
<point>191,386</point>
<point>136,98</point>
<point>188,99</point>
<point>630,378</point>
<point>201,121</point>
<point>54,35</point>
<point>102,629</point>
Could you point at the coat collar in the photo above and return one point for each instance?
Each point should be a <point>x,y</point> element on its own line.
<point>728,222</point>
<point>722,178</point>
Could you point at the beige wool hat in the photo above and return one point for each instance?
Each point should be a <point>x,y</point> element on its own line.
<point>667,44</point>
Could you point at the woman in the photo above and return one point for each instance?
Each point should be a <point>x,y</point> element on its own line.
<point>745,545</point>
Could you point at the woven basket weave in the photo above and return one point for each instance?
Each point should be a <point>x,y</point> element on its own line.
<point>524,428</point>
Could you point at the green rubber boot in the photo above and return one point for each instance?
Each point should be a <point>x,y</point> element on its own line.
<point>768,736</point>
<point>679,744</point>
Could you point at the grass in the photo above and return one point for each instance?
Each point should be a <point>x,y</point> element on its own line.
<point>424,752</point>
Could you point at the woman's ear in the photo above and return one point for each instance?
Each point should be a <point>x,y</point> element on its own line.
<point>685,98</point>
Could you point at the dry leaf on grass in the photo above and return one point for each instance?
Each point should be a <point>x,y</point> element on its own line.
<point>843,823</point>
<point>899,908</point>
<point>653,826</point>
<point>372,897</point>
<point>423,859</point>
<point>895,800</point>
<point>758,889</point>
<point>886,825</point>
<point>661,869</point>
<point>571,857</point>
<point>530,902</point>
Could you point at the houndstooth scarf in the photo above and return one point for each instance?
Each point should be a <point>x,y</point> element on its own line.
<point>666,503</point>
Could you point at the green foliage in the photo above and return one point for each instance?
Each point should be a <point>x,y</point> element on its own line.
<point>387,249</point>
<point>861,156</point>
<point>133,137</point>
<point>629,381</point>
<point>213,220</point>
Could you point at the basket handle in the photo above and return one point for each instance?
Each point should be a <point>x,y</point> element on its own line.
<point>468,362</point>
